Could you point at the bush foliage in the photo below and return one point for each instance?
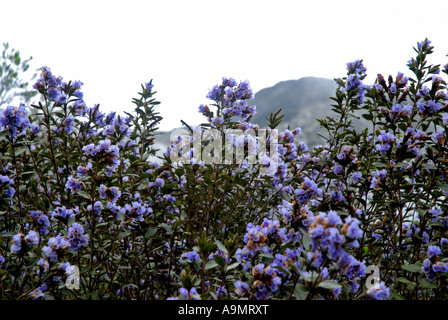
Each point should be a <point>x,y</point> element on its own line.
<point>88,212</point>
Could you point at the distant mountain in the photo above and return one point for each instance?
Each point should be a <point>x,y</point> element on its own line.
<point>302,101</point>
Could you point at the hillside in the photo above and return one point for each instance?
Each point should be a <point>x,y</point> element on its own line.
<point>302,101</point>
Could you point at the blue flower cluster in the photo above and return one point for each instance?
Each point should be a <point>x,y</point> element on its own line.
<point>15,120</point>
<point>80,187</point>
<point>77,237</point>
<point>356,72</point>
<point>379,291</point>
<point>55,89</point>
<point>233,96</point>
<point>105,153</point>
<point>7,181</point>
<point>330,239</point>
<point>265,281</point>
<point>307,190</point>
<point>432,266</point>
<point>190,256</point>
<point>55,248</point>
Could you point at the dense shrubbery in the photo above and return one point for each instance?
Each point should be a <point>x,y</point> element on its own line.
<point>86,213</point>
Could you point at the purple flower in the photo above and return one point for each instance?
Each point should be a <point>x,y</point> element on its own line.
<point>136,211</point>
<point>215,93</point>
<point>433,251</point>
<point>159,182</point>
<point>32,237</point>
<point>445,118</point>
<point>54,93</point>
<point>112,194</point>
<point>83,171</point>
<point>106,152</point>
<point>54,247</point>
<point>16,246</point>
<point>5,180</point>
<point>96,209</point>
<point>73,184</point>
<point>15,120</point>
<point>228,82</point>
<point>355,72</point>
<point>221,292</point>
<point>90,150</point>
<point>189,295</point>
<point>307,190</point>
<point>148,86</point>
<point>63,214</point>
<point>337,196</point>
<point>338,169</point>
<point>386,139</point>
<point>77,237</point>
<point>379,291</point>
<point>217,121</point>
<point>191,255</point>
<point>68,123</point>
<point>438,136</point>
<point>428,107</point>
<point>424,45</point>
<point>356,176</point>
<point>397,111</point>
<point>333,219</point>
<point>119,126</point>
<point>378,179</point>
<point>242,288</point>
<point>435,212</point>
<point>203,109</point>
<point>352,228</point>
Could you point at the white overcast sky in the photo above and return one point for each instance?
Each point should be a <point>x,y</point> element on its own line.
<point>187,46</point>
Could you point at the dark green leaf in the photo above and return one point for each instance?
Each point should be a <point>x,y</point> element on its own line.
<point>300,292</point>
<point>329,284</point>
<point>412,267</point>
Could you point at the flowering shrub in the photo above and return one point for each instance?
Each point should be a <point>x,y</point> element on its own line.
<point>88,212</point>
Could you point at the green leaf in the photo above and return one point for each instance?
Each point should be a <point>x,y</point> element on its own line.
<point>179,172</point>
<point>300,292</point>
<point>329,284</point>
<point>426,284</point>
<point>442,186</point>
<point>436,224</point>
<point>266,258</point>
<point>221,246</point>
<point>7,234</point>
<point>167,228</point>
<point>405,281</point>
<point>220,261</point>
<point>210,265</point>
<point>83,194</point>
<point>379,164</point>
<point>429,166</point>
<point>402,126</point>
<point>20,151</point>
<point>150,233</point>
<point>310,277</point>
<point>412,267</point>
<point>396,296</point>
<point>233,266</point>
<point>123,234</point>
<point>306,240</point>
